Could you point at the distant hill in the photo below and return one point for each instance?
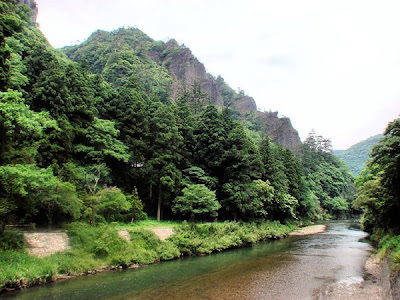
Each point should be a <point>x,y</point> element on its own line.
<point>356,156</point>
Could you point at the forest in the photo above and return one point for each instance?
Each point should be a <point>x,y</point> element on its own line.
<point>77,145</point>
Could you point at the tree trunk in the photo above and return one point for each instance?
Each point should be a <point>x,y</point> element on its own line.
<point>159,204</point>
<point>235,216</point>
<point>50,221</point>
<point>2,225</point>
<point>151,192</point>
<point>49,215</point>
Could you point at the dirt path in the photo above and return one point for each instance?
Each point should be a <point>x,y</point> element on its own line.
<point>313,229</point>
<point>42,244</point>
<point>163,232</point>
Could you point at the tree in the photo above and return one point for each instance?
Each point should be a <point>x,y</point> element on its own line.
<point>27,190</point>
<point>197,202</point>
<point>379,192</point>
<point>210,139</point>
<point>162,165</point>
<point>196,175</point>
<point>292,172</point>
<point>248,200</point>
<point>337,206</point>
<point>136,211</point>
<point>106,204</point>
<point>112,202</point>
<point>21,129</point>
<point>102,148</point>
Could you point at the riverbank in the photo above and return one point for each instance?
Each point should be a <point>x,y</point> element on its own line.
<point>313,229</point>
<point>381,274</point>
<point>98,249</point>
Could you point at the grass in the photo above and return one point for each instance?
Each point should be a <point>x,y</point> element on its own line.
<point>194,239</point>
<point>94,247</point>
<point>389,246</point>
<point>148,223</point>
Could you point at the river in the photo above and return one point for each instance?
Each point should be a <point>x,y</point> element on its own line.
<point>298,267</point>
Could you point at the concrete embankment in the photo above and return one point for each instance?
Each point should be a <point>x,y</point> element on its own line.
<point>42,244</point>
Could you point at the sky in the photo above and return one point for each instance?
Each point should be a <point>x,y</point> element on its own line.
<point>328,65</point>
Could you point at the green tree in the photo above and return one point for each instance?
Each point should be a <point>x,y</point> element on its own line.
<point>162,166</point>
<point>210,139</point>
<point>379,192</point>
<point>28,190</point>
<point>337,206</point>
<point>197,202</point>
<point>248,200</point>
<point>136,211</point>
<point>112,202</point>
<point>21,129</point>
<point>106,204</point>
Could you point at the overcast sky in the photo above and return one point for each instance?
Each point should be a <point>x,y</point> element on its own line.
<point>329,65</point>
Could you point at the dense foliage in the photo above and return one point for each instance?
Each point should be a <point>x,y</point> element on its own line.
<point>379,184</point>
<point>357,155</point>
<point>112,145</point>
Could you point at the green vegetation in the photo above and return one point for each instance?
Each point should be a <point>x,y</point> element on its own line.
<point>389,246</point>
<point>197,201</point>
<point>357,155</point>
<point>78,148</point>
<point>379,184</point>
<point>150,222</point>
<point>379,193</point>
<point>96,247</point>
<point>194,239</point>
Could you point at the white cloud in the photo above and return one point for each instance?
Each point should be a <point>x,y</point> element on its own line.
<point>329,65</point>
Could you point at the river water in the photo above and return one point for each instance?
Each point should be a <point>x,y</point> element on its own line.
<point>298,267</point>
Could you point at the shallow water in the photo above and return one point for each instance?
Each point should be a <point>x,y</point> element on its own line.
<point>300,267</point>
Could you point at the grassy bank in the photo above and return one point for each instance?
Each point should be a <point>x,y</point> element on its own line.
<point>388,246</point>
<point>100,247</point>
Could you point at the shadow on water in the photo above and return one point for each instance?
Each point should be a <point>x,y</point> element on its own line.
<point>292,268</point>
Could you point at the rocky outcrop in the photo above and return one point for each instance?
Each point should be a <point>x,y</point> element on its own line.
<point>280,130</point>
<point>187,70</point>
<point>32,5</point>
<point>245,104</point>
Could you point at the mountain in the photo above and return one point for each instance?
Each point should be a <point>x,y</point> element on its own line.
<point>171,70</point>
<point>356,156</point>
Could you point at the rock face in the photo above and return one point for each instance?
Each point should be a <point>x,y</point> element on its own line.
<point>280,130</point>
<point>187,70</point>
<point>32,5</point>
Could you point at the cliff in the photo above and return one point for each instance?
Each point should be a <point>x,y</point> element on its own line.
<point>174,69</point>
<point>33,6</point>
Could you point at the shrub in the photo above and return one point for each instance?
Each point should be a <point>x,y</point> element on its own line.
<point>11,239</point>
